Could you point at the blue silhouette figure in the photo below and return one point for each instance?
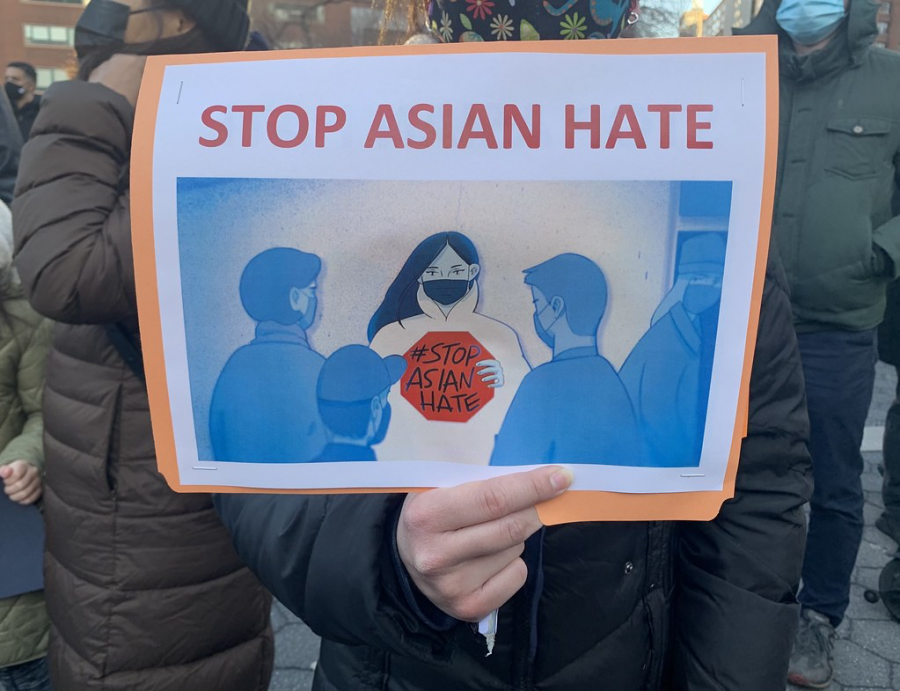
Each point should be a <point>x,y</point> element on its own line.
<point>352,393</point>
<point>668,373</point>
<point>264,407</point>
<point>572,409</point>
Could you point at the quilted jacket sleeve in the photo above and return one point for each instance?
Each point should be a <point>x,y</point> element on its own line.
<point>328,558</point>
<point>71,212</point>
<point>29,444</point>
<point>737,576</point>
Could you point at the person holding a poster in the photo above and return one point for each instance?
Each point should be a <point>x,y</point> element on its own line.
<point>430,315</point>
<point>839,159</point>
<point>670,368</point>
<point>573,409</point>
<point>264,407</point>
<point>144,589</point>
<point>392,583</point>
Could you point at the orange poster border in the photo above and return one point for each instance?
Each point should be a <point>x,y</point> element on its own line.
<point>588,505</point>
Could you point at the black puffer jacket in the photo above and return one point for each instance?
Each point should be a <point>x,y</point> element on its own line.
<point>622,606</point>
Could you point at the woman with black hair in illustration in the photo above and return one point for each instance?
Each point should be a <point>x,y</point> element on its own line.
<point>437,290</point>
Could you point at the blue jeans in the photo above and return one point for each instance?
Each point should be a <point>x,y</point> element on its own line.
<point>839,367</point>
<point>32,676</point>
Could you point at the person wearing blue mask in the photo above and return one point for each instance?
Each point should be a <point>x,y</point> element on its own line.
<point>669,371</point>
<point>264,407</point>
<point>573,409</point>
<point>839,240</point>
<point>353,392</point>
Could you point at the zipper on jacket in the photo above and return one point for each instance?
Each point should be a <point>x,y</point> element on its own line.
<point>525,605</point>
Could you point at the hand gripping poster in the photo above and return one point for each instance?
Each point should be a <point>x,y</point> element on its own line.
<point>412,267</point>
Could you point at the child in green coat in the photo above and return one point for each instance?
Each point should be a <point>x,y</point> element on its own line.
<point>24,340</point>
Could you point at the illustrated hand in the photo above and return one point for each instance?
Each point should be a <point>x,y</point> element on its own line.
<point>22,482</point>
<point>122,73</point>
<point>461,545</point>
<point>492,374</point>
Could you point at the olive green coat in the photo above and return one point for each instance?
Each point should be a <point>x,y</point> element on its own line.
<point>838,158</point>
<point>24,342</point>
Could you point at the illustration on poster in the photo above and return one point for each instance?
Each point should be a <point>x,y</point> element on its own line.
<point>439,379</point>
<point>435,292</point>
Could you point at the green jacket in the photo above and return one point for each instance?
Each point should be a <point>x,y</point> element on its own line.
<point>24,343</point>
<point>838,158</point>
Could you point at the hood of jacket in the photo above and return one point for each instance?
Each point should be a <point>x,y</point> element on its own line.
<point>850,45</point>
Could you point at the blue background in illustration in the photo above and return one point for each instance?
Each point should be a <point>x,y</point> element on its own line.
<point>573,409</point>
<point>637,234</point>
<point>264,407</point>
<point>668,373</point>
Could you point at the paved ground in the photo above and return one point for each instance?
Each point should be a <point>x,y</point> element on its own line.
<point>867,654</point>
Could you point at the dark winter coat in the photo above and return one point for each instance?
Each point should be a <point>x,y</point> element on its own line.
<point>144,590</point>
<point>26,115</point>
<point>838,157</point>
<point>10,148</point>
<point>622,606</point>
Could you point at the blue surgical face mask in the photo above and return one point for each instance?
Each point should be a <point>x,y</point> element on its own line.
<point>308,317</point>
<point>809,21</point>
<point>698,297</point>
<point>548,338</point>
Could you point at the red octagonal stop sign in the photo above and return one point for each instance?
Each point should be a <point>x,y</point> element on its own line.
<point>441,379</point>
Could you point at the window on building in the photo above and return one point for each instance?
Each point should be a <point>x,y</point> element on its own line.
<point>61,2</point>
<point>882,27</point>
<point>365,25</point>
<point>47,75</point>
<point>297,13</point>
<point>885,8</point>
<point>42,34</point>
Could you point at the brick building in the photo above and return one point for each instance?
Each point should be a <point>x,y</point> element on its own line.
<point>320,24</point>
<point>692,21</point>
<point>40,32</point>
<point>889,25</point>
<point>730,14</point>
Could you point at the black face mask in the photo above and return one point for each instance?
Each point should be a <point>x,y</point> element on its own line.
<point>103,24</point>
<point>446,291</point>
<point>14,91</point>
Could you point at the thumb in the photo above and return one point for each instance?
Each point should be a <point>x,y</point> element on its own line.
<point>5,472</point>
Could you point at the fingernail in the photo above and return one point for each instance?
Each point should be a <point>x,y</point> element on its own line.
<point>562,479</point>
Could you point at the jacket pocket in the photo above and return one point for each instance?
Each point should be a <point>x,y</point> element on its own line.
<point>857,147</point>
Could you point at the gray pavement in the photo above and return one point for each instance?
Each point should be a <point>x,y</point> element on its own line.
<point>867,652</point>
